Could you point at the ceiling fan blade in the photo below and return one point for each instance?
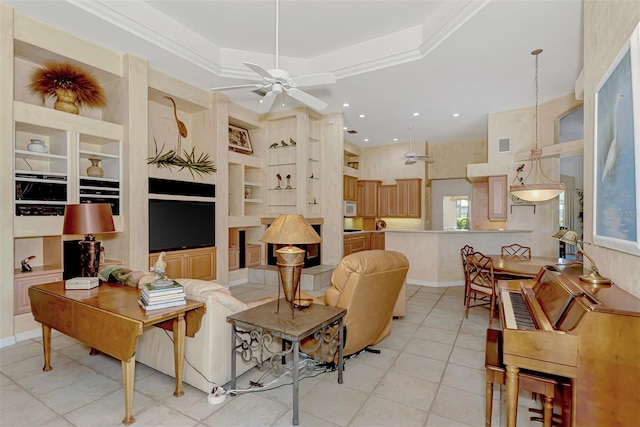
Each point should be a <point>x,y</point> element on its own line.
<point>221,88</point>
<point>307,99</point>
<point>410,161</point>
<point>313,80</point>
<point>427,159</point>
<point>258,70</point>
<point>267,102</point>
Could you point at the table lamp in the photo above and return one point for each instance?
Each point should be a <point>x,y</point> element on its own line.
<point>88,218</point>
<point>571,237</point>
<point>289,230</point>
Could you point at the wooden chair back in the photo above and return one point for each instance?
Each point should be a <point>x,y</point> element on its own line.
<point>481,283</point>
<point>516,251</point>
<point>464,253</point>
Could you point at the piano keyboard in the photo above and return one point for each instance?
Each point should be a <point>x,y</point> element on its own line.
<point>516,313</point>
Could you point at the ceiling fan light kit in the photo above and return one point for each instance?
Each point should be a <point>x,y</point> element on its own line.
<point>540,190</point>
<point>277,82</point>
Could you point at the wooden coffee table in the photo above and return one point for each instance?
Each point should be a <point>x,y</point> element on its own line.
<point>109,319</point>
<point>253,330</point>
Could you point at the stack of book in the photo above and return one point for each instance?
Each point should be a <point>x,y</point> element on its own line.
<point>154,297</point>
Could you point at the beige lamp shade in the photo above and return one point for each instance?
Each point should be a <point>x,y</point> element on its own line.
<point>88,218</point>
<point>290,230</point>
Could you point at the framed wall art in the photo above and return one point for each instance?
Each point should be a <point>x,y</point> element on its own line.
<point>239,140</point>
<point>616,169</point>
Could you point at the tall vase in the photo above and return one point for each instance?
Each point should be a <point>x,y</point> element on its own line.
<point>66,101</point>
<point>95,170</point>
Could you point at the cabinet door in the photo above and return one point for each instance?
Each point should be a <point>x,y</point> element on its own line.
<point>409,198</point>
<point>234,259</point>
<point>350,185</point>
<point>201,264</point>
<point>359,198</point>
<point>498,198</point>
<point>376,241</point>
<point>393,201</point>
<point>360,243</point>
<point>383,200</point>
<point>370,198</point>
<point>21,303</point>
<point>175,263</point>
<point>253,255</point>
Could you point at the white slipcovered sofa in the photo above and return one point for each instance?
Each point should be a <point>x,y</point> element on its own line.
<point>210,350</point>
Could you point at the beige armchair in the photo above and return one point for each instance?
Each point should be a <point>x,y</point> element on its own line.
<point>367,284</point>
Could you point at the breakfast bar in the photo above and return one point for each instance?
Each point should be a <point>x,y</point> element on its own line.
<point>434,256</point>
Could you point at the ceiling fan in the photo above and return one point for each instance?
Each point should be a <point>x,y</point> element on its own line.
<point>279,82</point>
<point>411,157</point>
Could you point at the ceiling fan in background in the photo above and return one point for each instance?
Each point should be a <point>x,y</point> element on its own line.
<point>277,81</point>
<point>411,157</point>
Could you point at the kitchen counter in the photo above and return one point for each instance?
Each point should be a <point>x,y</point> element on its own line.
<point>434,256</point>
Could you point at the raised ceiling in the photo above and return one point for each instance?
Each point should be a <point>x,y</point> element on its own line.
<point>391,57</point>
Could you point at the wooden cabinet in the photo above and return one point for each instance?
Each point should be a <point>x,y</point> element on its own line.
<point>350,188</point>
<point>388,201</point>
<point>367,198</point>
<point>356,243</point>
<point>498,198</point>
<point>401,200</point>
<point>376,240</point>
<point>234,259</point>
<point>409,198</point>
<point>22,282</point>
<point>253,254</point>
<point>189,263</point>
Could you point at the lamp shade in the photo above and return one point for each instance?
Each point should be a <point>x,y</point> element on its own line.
<point>88,218</point>
<point>537,192</point>
<point>290,230</point>
<point>567,236</point>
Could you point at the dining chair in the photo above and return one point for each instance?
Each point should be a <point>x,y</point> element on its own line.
<point>516,251</point>
<point>482,284</point>
<point>464,253</point>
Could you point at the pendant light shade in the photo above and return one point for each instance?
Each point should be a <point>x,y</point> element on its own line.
<point>543,188</point>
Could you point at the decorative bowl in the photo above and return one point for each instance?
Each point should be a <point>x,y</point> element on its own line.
<point>37,146</point>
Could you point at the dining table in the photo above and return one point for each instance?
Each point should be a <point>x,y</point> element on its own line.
<point>525,267</point>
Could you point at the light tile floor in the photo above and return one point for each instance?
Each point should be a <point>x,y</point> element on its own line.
<point>430,374</point>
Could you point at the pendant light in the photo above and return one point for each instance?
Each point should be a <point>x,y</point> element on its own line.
<point>539,190</point>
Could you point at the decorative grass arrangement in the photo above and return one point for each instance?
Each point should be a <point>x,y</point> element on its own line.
<point>73,86</point>
<point>200,165</point>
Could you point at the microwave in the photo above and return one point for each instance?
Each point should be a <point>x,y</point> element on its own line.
<point>349,208</point>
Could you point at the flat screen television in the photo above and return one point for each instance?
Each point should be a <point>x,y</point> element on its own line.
<point>179,224</point>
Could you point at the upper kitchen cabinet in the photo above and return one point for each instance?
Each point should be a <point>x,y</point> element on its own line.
<point>498,198</point>
<point>367,198</point>
<point>350,188</point>
<point>401,200</point>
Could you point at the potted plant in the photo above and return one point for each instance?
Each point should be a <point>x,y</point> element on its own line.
<point>71,85</point>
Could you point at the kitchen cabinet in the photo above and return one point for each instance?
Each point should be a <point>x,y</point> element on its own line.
<point>498,198</point>
<point>367,198</point>
<point>253,254</point>
<point>376,241</point>
<point>388,201</point>
<point>197,263</point>
<point>234,259</point>
<point>356,243</point>
<point>350,188</point>
<point>409,198</point>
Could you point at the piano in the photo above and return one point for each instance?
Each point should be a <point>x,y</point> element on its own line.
<point>589,333</point>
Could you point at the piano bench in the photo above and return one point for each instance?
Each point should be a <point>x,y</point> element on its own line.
<point>535,382</point>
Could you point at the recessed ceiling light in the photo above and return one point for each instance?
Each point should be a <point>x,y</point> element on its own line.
<point>395,139</point>
<point>261,101</point>
<point>366,140</point>
<point>344,128</point>
<point>346,104</point>
<point>361,116</point>
<point>456,114</point>
<point>416,114</point>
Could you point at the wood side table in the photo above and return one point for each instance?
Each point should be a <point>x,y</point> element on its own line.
<point>254,329</point>
<point>109,319</point>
